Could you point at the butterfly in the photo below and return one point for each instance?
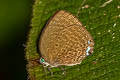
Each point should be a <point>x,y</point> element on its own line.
<point>64,41</point>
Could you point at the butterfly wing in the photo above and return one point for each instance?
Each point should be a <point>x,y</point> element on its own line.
<point>64,40</point>
<point>49,44</point>
<point>73,51</point>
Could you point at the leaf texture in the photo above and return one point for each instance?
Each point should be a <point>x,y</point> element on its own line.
<point>104,25</point>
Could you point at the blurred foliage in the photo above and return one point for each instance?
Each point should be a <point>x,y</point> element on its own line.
<point>101,19</point>
<point>13,15</point>
<point>14,21</point>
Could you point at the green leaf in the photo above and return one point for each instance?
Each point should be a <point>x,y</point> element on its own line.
<point>104,25</point>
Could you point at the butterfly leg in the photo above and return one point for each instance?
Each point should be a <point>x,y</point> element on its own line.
<point>63,70</point>
<point>44,69</point>
<point>49,69</point>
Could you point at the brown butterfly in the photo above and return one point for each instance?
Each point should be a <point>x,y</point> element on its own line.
<point>64,41</point>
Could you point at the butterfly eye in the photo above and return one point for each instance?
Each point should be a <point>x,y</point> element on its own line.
<point>42,60</point>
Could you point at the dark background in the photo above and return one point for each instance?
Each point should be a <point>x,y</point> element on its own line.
<point>15,19</point>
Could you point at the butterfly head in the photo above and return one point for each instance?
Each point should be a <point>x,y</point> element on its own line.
<point>42,61</point>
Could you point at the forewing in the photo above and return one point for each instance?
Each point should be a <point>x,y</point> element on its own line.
<point>50,42</point>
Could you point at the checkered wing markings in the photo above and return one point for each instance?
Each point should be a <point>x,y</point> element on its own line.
<point>50,36</point>
<point>56,28</point>
<point>63,36</point>
<point>72,50</point>
<point>58,24</point>
<point>63,30</point>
